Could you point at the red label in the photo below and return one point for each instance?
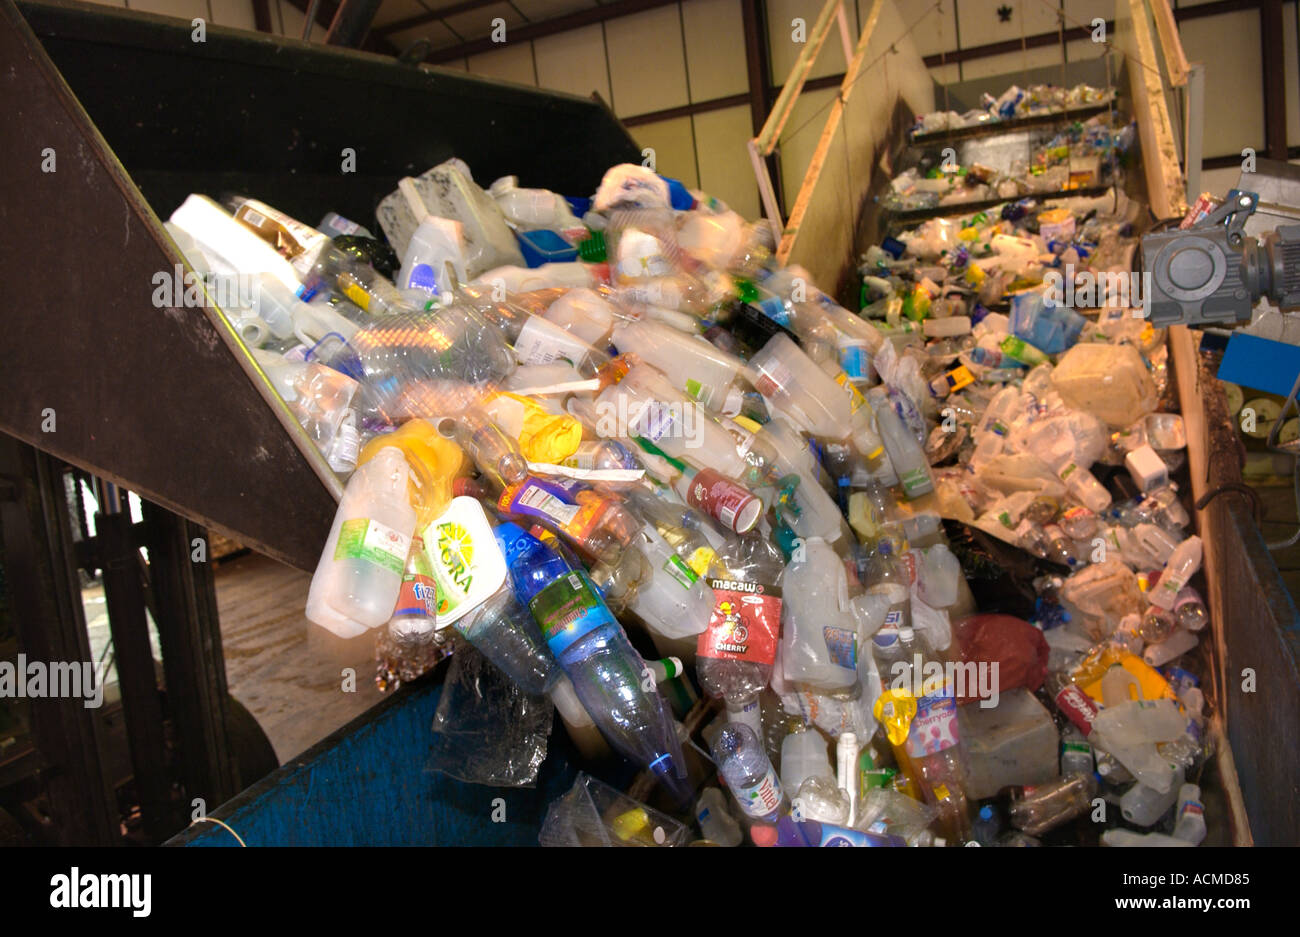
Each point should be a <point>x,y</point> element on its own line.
<point>1078,707</point>
<point>909,562</point>
<point>418,596</point>
<point>720,498</point>
<point>746,622</point>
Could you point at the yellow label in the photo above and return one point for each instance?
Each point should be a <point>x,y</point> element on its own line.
<point>959,377</point>
<point>856,400</point>
<point>941,792</point>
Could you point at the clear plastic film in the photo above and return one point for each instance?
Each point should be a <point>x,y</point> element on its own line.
<point>486,729</point>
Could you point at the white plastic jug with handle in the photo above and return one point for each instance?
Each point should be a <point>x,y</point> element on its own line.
<point>360,570</point>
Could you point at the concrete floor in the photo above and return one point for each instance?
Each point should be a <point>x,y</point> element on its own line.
<point>289,673</point>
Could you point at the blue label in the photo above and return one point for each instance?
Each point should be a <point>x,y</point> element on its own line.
<point>422,278</point>
<point>856,362</point>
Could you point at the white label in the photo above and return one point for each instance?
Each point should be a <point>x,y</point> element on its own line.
<point>654,421</point>
<point>542,500</point>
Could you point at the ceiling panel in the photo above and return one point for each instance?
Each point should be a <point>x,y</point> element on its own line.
<point>477,24</point>
<point>538,10</point>
<point>439,36</point>
<point>390,11</point>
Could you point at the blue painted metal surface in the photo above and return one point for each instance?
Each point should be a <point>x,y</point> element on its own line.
<point>1260,364</point>
<point>366,785</point>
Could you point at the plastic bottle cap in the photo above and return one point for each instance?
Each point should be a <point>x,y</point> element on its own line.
<point>763,835</point>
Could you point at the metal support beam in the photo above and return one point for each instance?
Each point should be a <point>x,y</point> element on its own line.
<point>141,701</point>
<point>262,16</point>
<point>600,14</point>
<point>1273,63</point>
<point>185,603</point>
<point>442,12</point>
<point>46,600</point>
<point>351,23</point>
<point>758,67</point>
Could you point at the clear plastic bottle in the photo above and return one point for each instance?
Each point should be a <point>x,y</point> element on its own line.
<point>608,675</point>
<point>410,645</point>
<point>505,632</point>
<point>1157,624</point>
<point>935,750</point>
<point>645,405</point>
<point>748,773</point>
<point>986,826</point>
<point>888,578</point>
<point>1182,566</point>
<point>1035,810</point>
<point>905,452</point>
<point>1190,610</point>
<point>495,454</point>
<point>1189,824</point>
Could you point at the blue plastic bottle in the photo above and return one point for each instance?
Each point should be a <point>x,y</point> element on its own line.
<point>607,673</point>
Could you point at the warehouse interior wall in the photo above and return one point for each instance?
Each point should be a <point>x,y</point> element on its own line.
<point>677,73</point>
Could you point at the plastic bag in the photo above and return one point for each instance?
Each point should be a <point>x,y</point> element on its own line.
<point>594,814</point>
<point>487,730</point>
<point>1016,648</point>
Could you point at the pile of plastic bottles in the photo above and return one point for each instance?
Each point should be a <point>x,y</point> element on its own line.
<point>1014,103</point>
<point>611,446</point>
<point>1084,154</point>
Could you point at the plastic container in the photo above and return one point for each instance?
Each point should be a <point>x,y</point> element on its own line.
<point>693,365</point>
<point>1011,744</point>
<point>359,575</point>
<point>1109,381</point>
<point>819,643</point>
<point>541,247</point>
